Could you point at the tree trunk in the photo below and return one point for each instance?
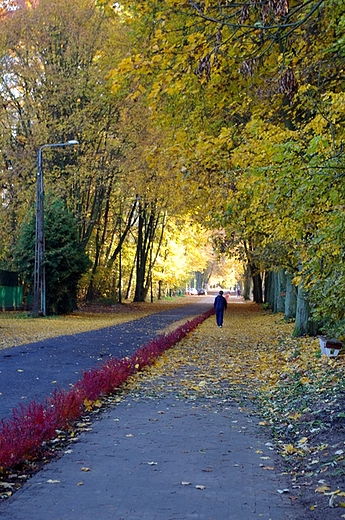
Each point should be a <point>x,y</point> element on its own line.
<point>130,221</point>
<point>92,292</point>
<point>290,299</point>
<point>274,288</point>
<point>139,295</point>
<point>280,291</point>
<point>247,284</point>
<point>257,286</point>
<point>129,286</point>
<point>303,324</point>
<point>269,289</point>
<point>148,222</point>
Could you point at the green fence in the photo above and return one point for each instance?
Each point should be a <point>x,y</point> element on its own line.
<point>11,298</point>
<point>11,292</point>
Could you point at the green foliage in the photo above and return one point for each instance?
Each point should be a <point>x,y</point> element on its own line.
<point>65,260</point>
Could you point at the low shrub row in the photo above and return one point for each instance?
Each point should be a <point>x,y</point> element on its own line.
<point>23,435</point>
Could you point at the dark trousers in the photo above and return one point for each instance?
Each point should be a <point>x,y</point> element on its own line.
<point>219,317</point>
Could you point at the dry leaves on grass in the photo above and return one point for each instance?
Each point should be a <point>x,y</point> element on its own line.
<point>211,360</point>
<point>19,328</point>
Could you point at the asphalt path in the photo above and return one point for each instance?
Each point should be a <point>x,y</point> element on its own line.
<point>33,371</point>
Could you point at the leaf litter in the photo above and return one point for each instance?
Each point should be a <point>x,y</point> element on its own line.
<point>297,393</point>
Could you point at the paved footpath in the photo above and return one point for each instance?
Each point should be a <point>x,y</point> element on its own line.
<point>160,458</point>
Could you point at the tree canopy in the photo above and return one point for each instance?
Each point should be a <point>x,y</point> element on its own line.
<point>228,115</point>
<point>252,97</point>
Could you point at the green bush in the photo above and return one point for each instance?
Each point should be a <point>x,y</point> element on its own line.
<point>65,260</point>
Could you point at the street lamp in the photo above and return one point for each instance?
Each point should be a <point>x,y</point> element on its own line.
<point>39,303</point>
<point>120,255</point>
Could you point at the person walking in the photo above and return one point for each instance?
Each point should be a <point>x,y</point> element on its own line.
<point>220,304</point>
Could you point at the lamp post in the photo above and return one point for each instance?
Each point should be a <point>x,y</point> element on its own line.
<point>120,256</point>
<point>39,303</point>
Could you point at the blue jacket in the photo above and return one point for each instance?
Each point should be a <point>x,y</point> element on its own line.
<point>220,303</point>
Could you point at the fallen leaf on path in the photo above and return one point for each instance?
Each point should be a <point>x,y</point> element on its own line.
<point>331,500</point>
<point>322,489</point>
<point>295,390</point>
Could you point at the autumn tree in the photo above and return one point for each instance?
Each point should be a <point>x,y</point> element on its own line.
<point>55,59</point>
<point>54,89</point>
<point>245,90</point>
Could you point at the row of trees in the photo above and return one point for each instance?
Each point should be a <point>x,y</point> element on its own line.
<point>251,95</point>
<point>196,120</point>
<point>113,197</point>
